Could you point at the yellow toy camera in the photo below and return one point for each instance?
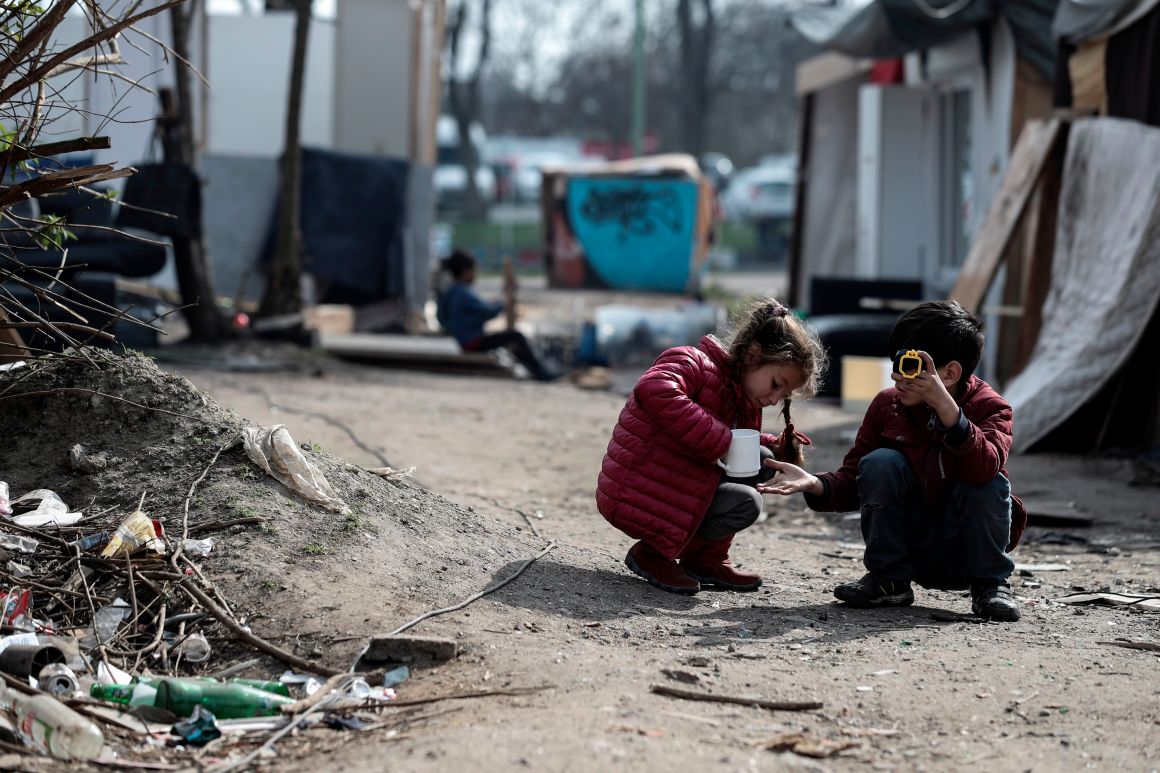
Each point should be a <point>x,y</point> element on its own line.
<point>907,363</point>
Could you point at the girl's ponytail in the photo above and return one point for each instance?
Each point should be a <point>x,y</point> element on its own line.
<point>790,443</point>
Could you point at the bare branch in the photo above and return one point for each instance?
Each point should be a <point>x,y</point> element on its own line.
<point>39,33</point>
<point>84,64</point>
<point>24,152</point>
<point>42,70</point>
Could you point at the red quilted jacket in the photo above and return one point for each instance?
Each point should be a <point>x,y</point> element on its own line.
<point>660,471</point>
<point>936,466</point>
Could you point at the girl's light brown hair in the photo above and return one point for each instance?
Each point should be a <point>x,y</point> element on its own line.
<point>768,332</point>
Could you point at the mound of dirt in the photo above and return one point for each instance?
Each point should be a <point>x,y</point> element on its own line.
<point>309,580</point>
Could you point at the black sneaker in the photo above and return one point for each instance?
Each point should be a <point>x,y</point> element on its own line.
<point>994,602</point>
<point>873,591</point>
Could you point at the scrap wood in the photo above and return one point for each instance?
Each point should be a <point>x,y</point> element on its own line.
<point>869,732</point>
<point>674,692</point>
<point>528,520</point>
<point>473,694</point>
<point>1151,602</point>
<point>123,763</point>
<point>222,525</point>
<point>1133,645</point>
<point>807,745</point>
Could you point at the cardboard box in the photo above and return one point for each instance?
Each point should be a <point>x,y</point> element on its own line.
<point>862,379</point>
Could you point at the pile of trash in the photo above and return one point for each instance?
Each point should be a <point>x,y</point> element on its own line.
<point>116,646</point>
<point>112,629</point>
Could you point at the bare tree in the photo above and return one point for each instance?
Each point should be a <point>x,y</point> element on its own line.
<point>35,69</point>
<point>697,38</point>
<point>283,289</point>
<point>194,277</point>
<point>463,95</point>
<point>752,104</point>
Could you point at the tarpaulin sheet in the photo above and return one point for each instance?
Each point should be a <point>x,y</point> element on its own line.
<point>892,28</point>
<point>353,209</point>
<point>1105,278</point>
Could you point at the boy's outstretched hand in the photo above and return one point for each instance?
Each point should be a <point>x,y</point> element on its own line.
<point>791,479</point>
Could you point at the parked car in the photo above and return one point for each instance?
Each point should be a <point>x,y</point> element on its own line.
<point>717,168</point>
<point>760,193</point>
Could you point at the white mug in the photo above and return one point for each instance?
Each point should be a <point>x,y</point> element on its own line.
<point>744,457</point>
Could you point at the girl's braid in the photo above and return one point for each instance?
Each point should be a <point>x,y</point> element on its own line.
<point>789,448</point>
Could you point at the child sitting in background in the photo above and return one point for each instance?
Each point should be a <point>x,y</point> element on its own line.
<point>927,472</point>
<point>462,313</point>
<point>660,482</point>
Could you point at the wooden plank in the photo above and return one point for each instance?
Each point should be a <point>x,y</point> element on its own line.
<point>1040,250</point>
<point>435,350</point>
<point>1027,162</point>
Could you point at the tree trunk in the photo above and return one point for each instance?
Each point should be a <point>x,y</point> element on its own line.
<point>194,278</point>
<point>464,101</point>
<point>696,54</point>
<point>283,290</point>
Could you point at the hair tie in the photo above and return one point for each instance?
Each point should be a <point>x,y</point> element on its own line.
<point>779,310</point>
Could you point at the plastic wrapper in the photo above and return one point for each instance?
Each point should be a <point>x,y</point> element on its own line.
<point>135,532</point>
<point>274,450</point>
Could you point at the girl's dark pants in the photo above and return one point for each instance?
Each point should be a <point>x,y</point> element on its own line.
<point>960,544</point>
<point>736,505</point>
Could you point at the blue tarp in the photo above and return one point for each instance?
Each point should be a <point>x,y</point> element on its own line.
<point>353,209</point>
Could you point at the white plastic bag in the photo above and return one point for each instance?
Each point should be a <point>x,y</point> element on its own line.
<point>51,510</point>
<point>274,450</point>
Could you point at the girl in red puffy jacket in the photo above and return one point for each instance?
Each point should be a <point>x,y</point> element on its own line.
<point>660,482</point>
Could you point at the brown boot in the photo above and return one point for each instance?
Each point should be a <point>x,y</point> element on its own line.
<point>708,562</point>
<point>662,572</point>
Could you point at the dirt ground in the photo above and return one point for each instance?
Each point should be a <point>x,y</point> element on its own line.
<point>503,469</point>
<point>912,689</point>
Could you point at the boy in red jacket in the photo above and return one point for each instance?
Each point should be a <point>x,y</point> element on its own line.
<point>927,472</point>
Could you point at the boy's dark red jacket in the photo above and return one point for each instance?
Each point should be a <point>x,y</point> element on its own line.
<point>660,471</point>
<point>936,464</point>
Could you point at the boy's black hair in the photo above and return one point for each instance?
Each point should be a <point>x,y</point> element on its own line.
<point>458,263</point>
<point>944,330</point>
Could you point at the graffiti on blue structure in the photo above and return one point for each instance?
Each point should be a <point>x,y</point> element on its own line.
<point>636,209</point>
<point>636,234</point>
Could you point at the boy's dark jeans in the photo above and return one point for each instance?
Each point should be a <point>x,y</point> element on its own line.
<point>964,545</point>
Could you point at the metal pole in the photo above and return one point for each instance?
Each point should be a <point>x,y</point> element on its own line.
<point>638,83</point>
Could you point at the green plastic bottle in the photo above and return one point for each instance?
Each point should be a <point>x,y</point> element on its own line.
<point>226,701</point>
